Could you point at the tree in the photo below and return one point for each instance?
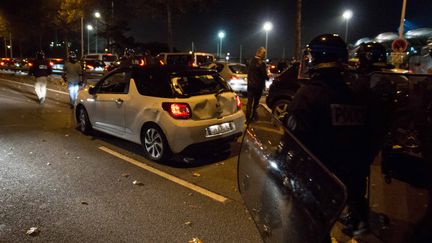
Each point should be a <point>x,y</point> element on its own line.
<point>169,9</point>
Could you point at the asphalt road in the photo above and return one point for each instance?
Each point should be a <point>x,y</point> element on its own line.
<point>77,188</point>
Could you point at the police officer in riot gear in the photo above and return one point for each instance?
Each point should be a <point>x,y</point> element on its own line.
<point>129,58</point>
<point>40,69</point>
<point>330,120</point>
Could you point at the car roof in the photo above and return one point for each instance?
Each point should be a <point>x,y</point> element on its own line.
<point>174,68</point>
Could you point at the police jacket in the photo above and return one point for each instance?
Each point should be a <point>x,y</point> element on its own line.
<point>257,74</point>
<point>329,120</point>
<point>40,68</point>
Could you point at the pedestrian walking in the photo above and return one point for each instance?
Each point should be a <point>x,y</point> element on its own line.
<point>72,74</point>
<point>257,75</point>
<point>40,69</point>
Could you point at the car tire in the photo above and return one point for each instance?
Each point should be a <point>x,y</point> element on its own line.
<point>84,124</point>
<point>280,108</point>
<point>155,144</point>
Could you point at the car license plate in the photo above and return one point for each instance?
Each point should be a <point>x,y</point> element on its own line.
<point>219,129</point>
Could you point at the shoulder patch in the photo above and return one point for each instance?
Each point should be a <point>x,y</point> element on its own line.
<point>348,115</point>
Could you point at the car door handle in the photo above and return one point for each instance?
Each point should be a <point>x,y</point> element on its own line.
<point>119,101</point>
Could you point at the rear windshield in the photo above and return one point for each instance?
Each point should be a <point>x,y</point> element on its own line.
<point>204,59</point>
<point>198,84</point>
<point>239,69</point>
<point>179,59</point>
<point>109,58</point>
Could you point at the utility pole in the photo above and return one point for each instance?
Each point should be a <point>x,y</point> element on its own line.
<point>82,36</point>
<point>11,46</point>
<point>297,53</point>
<point>402,21</point>
<point>241,53</point>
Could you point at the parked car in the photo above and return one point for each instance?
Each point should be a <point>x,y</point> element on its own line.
<point>191,59</point>
<point>282,90</point>
<point>235,74</point>
<point>57,64</point>
<point>94,66</point>
<point>107,58</point>
<point>168,110</point>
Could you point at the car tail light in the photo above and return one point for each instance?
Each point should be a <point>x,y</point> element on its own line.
<point>51,64</point>
<point>235,77</point>
<point>142,62</point>
<point>90,67</point>
<point>30,64</point>
<point>2,63</point>
<point>238,102</point>
<point>178,110</point>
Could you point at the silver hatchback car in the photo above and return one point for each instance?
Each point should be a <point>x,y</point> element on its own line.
<point>168,110</point>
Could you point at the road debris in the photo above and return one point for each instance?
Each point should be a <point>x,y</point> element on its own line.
<point>195,174</point>
<point>48,163</point>
<point>78,157</point>
<point>190,194</point>
<point>125,175</point>
<point>84,203</point>
<point>33,231</point>
<point>189,223</point>
<point>66,135</point>
<point>137,183</point>
<point>30,152</point>
<point>195,240</point>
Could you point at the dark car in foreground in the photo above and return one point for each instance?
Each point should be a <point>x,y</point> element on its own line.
<point>282,90</point>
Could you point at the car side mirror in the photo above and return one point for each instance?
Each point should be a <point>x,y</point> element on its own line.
<point>92,90</point>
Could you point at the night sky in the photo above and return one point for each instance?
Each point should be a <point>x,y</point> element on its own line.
<point>242,21</point>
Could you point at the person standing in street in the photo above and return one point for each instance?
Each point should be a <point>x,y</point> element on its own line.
<point>257,75</point>
<point>72,74</point>
<point>40,69</point>
<point>330,120</point>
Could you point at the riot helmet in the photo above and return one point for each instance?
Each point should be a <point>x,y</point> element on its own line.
<point>372,56</point>
<point>326,52</point>
<point>72,56</point>
<point>40,55</point>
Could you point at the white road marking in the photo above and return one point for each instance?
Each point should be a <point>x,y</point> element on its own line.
<point>167,176</point>
<point>29,85</point>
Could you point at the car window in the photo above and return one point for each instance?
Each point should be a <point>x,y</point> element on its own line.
<point>204,59</point>
<point>238,69</point>
<point>198,84</point>
<point>152,83</point>
<point>117,83</point>
<point>219,67</point>
<point>185,59</point>
<point>109,58</point>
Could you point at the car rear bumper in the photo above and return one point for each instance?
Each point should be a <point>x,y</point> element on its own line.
<point>184,133</point>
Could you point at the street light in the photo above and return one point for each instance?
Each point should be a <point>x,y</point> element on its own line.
<point>221,35</point>
<point>268,26</point>
<point>97,16</point>
<point>89,28</point>
<point>347,15</point>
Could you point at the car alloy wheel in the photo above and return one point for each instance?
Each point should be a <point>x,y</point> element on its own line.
<point>84,121</point>
<point>153,144</point>
<point>280,109</point>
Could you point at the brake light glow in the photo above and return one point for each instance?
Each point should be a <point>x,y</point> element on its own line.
<point>30,64</point>
<point>233,77</point>
<point>51,64</point>
<point>238,102</point>
<point>2,63</point>
<point>90,67</point>
<point>142,62</point>
<point>178,110</point>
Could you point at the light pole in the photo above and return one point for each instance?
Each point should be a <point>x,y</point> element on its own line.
<point>347,15</point>
<point>97,16</point>
<point>221,35</point>
<point>268,26</point>
<point>89,28</point>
